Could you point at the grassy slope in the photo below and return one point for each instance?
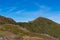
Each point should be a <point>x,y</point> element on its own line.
<point>43,25</point>
<point>9,31</point>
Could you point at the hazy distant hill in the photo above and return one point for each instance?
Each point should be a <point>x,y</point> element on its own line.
<point>39,29</point>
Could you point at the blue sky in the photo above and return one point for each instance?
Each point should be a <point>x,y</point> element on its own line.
<point>28,10</point>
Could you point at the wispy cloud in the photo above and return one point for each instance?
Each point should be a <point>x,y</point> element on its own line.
<point>19,11</point>
<point>11,9</point>
<point>47,12</point>
<point>43,7</point>
<point>44,11</point>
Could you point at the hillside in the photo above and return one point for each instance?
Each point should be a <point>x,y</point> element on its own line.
<point>15,32</point>
<point>4,20</point>
<point>39,29</point>
<point>43,25</point>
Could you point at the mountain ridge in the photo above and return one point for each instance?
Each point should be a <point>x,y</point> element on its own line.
<point>4,20</point>
<point>40,26</point>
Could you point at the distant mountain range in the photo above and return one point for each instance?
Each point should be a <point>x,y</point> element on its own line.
<point>38,29</point>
